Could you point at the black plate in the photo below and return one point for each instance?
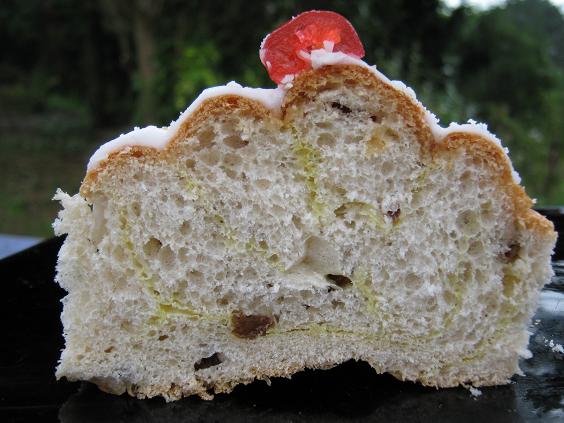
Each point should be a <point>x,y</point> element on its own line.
<point>31,343</point>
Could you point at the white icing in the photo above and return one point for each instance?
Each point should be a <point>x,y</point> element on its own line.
<point>472,127</point>
<point>151,136</point>
<point>304,55</point>
<point>272,99</point>
<point>286,82</point>
<point>476,128</point>
<point>323,57</point>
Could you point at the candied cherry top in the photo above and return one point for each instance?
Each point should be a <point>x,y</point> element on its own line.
<point>286,50</point>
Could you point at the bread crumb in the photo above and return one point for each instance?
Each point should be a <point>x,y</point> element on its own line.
<point>557,348</point>
<point>475,392</point>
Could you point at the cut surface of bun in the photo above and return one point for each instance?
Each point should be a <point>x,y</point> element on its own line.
<point>256,243</point>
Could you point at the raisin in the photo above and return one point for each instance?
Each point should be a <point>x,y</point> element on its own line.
<point>394,215</point>
<point>512,253</point>
<point>250,326</point>
<point>340,280</point>
<point>206,362</point>
<point>377,117</point>
<point>346,110</point>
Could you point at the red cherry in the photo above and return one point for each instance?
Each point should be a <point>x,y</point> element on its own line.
<point>286,50</point>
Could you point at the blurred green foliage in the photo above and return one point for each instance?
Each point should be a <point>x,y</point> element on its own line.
<point>73,74</point>
<point>198,68</point>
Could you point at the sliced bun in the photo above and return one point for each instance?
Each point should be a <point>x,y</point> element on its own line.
<point>257,243</point>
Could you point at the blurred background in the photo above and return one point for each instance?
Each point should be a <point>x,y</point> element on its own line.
<point>74,74</point>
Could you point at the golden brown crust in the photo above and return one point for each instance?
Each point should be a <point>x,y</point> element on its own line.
<point>216,106</point>
<point>310,82</point>
<point>486,152</point>
<point>115,161</point>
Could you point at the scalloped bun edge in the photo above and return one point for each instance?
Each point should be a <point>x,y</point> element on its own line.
<point>276,103</point>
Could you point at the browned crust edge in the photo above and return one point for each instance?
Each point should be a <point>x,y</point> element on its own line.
<point>207,390</point>
<point>308,83</point>
<point>489,153</point>
<point>211,107</point>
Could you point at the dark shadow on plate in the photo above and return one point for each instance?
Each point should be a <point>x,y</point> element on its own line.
<point>349,392</point>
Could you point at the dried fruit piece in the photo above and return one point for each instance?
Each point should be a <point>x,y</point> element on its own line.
<point>250,326</point>
<point>340,280</point>
<point>286,50</point>
<point>206,362</point>
<point>342,108</point>
<point>394,215</point>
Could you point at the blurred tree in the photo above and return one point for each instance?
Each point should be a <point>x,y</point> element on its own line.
<point>134,24</point>
<point>511,66</point>
<point>60,48</point>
